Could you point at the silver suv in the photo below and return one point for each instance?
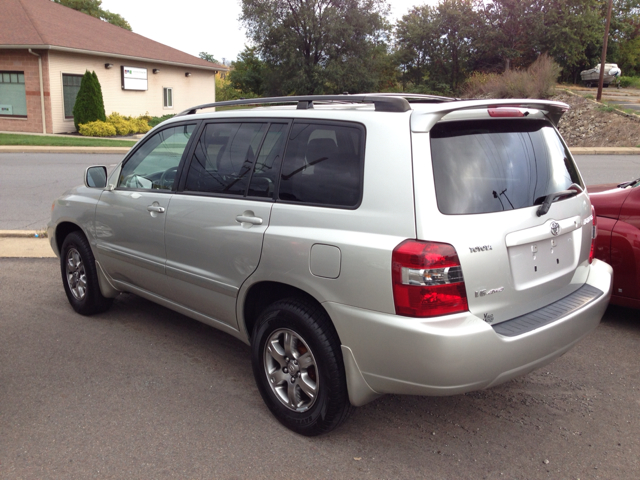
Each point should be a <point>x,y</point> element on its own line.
<point>361,244</point>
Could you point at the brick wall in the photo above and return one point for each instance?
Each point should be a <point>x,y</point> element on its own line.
<point>23,61</point>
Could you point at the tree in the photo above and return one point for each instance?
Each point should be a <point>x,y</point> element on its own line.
<point>93,8</point>
<point>317,46</point>
<point>89,105</point>
<point>208,57</point>
<point>434,45</point>
<point>571,34</point>
<point>624,41</point>
<point>508,33</point>
<point>248,73</point>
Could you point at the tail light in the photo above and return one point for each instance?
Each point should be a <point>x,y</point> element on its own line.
<point>427,279</point>
<point>505,112</point>
<point>594,234</point>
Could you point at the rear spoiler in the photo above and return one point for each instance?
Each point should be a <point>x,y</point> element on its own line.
<point>424,121</point>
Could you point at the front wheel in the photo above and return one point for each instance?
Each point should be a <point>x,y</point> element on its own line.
<point>79,276</point>
<point>298,367</point>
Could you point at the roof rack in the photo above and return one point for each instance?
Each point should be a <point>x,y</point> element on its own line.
<point>383,102</point>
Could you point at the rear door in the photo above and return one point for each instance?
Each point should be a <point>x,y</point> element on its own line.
<point>216,223</point>
<point>490,177</point>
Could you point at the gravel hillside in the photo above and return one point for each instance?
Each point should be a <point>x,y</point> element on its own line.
<point>587,125</point>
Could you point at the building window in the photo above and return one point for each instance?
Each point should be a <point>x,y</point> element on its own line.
<point>13,96</point>
<point>168,97</point>
<point>70,89</point>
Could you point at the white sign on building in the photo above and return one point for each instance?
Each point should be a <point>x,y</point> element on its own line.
<point>134,78</point>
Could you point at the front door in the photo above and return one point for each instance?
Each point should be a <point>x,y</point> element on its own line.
<point>130,219</point>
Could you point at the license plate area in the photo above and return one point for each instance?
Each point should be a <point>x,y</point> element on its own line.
<point>543,260</point>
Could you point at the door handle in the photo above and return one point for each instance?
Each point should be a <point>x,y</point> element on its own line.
<point>249,219</point>
<point>155,208</point>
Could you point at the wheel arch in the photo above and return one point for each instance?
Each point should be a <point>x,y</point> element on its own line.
<point>263,294</point>
<point>63,229</point>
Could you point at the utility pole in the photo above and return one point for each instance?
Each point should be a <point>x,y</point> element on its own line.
<point>604,52</point>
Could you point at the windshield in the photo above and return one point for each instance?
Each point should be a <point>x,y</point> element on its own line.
<point>485,166</point>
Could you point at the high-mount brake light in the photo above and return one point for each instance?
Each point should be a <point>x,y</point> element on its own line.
<point>504,112</point>
<point>427,279</point>
<point>594,234</point>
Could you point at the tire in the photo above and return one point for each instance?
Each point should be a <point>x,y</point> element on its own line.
<point>79,276</point>
<point>298,367</point>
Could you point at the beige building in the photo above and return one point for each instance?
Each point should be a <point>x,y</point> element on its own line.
<point>45,48</point>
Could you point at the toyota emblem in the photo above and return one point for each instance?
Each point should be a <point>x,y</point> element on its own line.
<point>555,228</point>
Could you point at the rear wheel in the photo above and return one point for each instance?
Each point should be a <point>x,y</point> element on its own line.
<point>79,276</point>
<point>298,367</point>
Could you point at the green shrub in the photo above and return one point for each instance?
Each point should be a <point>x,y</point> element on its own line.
<point>89,104</point>
<point>538,81</point>
<point>97,129</point>
<point>157,120</point>
<point>140,125</point>
<point>633,82</point>
<point>126,125</point>
<point>122,125</point>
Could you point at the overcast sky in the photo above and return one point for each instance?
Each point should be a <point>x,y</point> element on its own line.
<point>195,26</point>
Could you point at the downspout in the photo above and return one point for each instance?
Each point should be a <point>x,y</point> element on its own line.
<point>44,116</point>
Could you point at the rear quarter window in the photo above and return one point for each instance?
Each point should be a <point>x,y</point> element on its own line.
<point>323,165</point>
<point>484,166</point>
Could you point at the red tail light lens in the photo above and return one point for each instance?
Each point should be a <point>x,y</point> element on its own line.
<point>427,279</point>
<point>594,234</point>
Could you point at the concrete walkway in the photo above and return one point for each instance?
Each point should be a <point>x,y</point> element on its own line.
<point>25,247</point>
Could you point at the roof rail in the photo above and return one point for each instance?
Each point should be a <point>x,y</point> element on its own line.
<point>384,102</point>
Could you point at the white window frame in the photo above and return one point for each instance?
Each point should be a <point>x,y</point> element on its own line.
<point>167,103</point>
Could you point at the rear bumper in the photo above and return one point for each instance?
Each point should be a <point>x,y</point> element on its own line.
<point>455,354</point>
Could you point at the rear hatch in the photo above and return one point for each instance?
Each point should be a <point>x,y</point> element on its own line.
<point>481,179</point>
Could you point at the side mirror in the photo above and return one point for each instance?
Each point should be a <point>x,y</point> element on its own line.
<point>96,177</point>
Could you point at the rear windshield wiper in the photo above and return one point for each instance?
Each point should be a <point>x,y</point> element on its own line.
<point>573,190</point>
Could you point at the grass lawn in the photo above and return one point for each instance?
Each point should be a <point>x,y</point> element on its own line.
<point>61,141</point>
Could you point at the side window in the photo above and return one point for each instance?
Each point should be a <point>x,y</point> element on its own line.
<point>224,158</point>
<point>323,165</point>
<point>267,167</point>
<point>13,96</point>
<point>70,89</point>
<point>167,97</point>
<point>155,164</point>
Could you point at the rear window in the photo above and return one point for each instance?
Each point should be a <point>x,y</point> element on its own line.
<point>485,166</point>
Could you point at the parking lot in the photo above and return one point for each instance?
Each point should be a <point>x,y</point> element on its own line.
<point>142,392</point>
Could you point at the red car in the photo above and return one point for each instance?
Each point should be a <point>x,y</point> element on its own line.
<point>618,242</point>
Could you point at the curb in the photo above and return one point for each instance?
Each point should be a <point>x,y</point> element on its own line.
<point>605,150</point>
<point>22,234</point>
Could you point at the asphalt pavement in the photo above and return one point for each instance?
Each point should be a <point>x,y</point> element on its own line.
<point>140,392</point>
<point>623,98</point>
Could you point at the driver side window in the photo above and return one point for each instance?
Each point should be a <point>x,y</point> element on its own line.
<point>155,164</point>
